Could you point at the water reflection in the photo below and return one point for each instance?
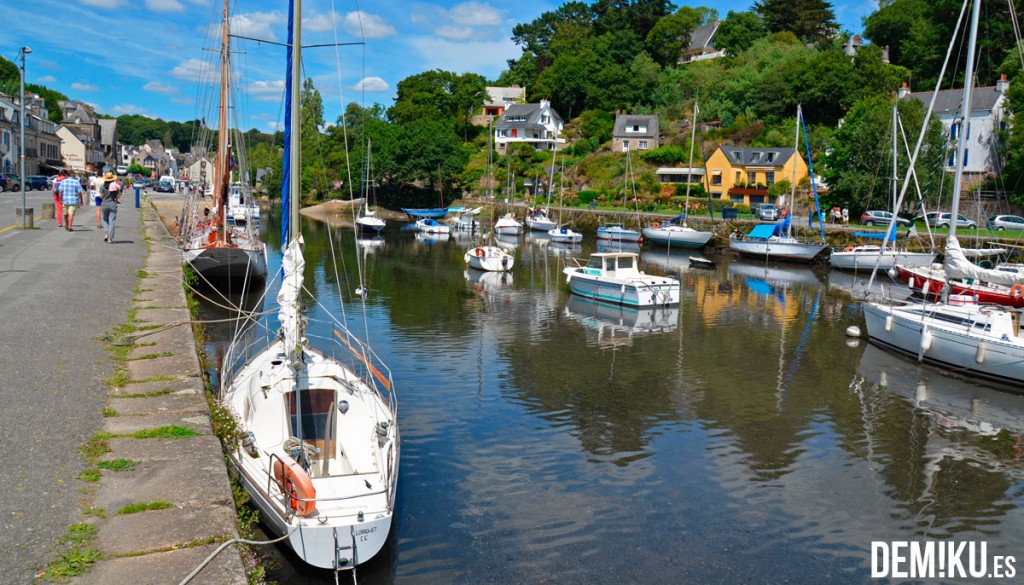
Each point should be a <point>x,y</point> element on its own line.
<point>615,325</point>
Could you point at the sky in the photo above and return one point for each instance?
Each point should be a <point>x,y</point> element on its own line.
<point>154,57</point>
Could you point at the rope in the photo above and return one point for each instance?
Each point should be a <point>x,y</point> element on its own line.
<point>220,548</point>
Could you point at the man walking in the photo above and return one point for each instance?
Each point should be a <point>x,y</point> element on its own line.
<point>57,203</point>
<point>71,195</point>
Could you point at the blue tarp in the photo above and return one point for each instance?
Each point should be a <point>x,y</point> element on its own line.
<point>875,235</point>
<point>762,232</point>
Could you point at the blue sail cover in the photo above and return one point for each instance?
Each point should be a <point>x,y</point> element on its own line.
<point>876,235</point>
<point>782,227</point>
<point>285,165</point>
<point>762,232</point>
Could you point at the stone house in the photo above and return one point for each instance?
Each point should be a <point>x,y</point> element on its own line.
<point>635,132</point>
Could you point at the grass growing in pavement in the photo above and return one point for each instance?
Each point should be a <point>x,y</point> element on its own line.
<point>108,412</point>
<point>151,356</point>
<point>79,558</point>
<point>144,507</point>
<point>118,464</point>
<point>95,512</point>
<point>164,432</point>
<point>161,392</point>
<point>96,447</point>
<point>90,475</point>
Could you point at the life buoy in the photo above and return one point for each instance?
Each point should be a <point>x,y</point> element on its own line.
<point>656,225</point>
<point>480,252</point>
<point>1017,291</point>
<point>848,249</point>
<point>294,481</point>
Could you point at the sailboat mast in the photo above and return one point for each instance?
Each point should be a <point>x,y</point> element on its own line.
<point>895,161</point>
<point>295,144</point>
<point>796,152</point>
<point>689,165</point>
<point>961,146</point>
<point>366,178</point>
<point>220,187</point>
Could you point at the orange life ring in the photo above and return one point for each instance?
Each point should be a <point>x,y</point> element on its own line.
<point>296,483</point>
<point>1017,291</point>
<point>848,249</point>
<point>656,225</point>
<point>480,252</point>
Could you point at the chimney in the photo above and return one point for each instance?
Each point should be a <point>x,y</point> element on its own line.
<point>885,55</point>
<point>1003,84</point>
<point>904,90</point>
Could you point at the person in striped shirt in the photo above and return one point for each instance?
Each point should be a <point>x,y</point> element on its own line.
<point>71,194</point>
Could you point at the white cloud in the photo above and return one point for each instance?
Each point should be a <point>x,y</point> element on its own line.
<point>274,126</point>
<point>318,22</point>
<point>185,101</point>
<point>372,26</point>
<point>47,79</point>
<point>487,58</point>
<point>102,3</point>
<point>130,109</point>
<point>267,91</point>
<point>165,6</point>
<point>475,14</point>
<point>372,84</point>
<point>157,87</point>
<point>258,25</point>
<point>191,70</point>
<point>84,87</point>
<point>455,33</point>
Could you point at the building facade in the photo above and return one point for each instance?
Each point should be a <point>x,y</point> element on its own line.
<point>745,175</point>
<point>535,124</point>
<point>635,132</point>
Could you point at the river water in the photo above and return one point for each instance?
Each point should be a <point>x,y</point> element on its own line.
<point>738,437</point>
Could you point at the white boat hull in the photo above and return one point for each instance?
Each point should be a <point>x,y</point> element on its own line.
<point>618,234</point>
<point>777,250</point>
<point>677,236</point>
<point>565,236</point>
<point>540,225</point>
<point>370,223</point>
<point>866,259</point>
<point>949,345</point>
<point>490,259</point>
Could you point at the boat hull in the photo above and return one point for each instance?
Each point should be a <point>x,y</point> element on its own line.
<point>490,259</point>
<point>650,292</point>
<point>770,250</point>
<point>685,237</point>
<point>220,263</point>
<point>956,349</point>
<point>369,224</point>
<point>865,260</point>
<point>565,236</point>
<point>540,225</point>
<point>917,278</point>
<point>618,235</point>
<point>434,213</point>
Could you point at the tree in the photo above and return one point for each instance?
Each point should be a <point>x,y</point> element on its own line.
<point>810,20</point>
<point>738,32</point>
<point>429,150</point>
<point>671,35</point>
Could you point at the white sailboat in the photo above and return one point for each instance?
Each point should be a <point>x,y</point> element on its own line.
<point>367,220</point>
<point>537,219</point>
<point>775,242</point>
<point>679,234</point>
<point>617,232</point>
<point>956,333</point>
<point>214,248</point>
<point>489,258</point>
<point>321,446</point>
<point>563,234</point>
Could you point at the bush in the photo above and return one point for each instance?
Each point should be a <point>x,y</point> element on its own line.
<point>586,197</point>
<point>665,155</point>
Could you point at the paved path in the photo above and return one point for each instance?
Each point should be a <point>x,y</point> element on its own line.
<point>62,291</point>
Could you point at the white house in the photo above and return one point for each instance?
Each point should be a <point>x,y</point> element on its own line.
<point>9,137</point>
<point>986,119</point>
<point>201,171</point>
<point>80,152</point>
<point>535,124</point>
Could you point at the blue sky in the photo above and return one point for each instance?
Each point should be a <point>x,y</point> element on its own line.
<point>146,56</point>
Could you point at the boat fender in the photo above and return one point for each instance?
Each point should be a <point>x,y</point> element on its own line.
<point>926,340</point>
<point>1017,290</point>
<point>249,444</point>
<point>853,331</point>
<point>888,323</point>
<point>924,288</point>
<point>980,355</point>
<point>848,249</point>
<point>656,225</point>
<point>910,283</point>
<point>294,481</point>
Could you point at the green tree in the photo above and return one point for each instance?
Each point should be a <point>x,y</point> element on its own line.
<point>738,32</point>
<point>810,20</point>
<point>671,35</point>
<point>429,149</point>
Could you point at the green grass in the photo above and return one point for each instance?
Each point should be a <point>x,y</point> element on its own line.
<point>151,356</point>
<point>164,432</point>
<point>161,378</point>
<point>96,447</point>
<point>161,392</point>
<point>144,507</point>
<point>151,327</point>
<point>72,563</point>
<point>118,379</point>
<point>108,412</point>
<point>118,464</point>
<point>95,512</point>
<point>90,475</point>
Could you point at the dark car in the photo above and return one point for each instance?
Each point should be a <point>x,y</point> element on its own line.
<point>36,183</point>
<point>879,217</point>
<point>164,186</point>
<point>10,182</point>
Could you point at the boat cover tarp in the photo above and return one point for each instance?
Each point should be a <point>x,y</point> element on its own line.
<point>958,266</point>
<point>762,232</point>
<point>782,227</point>
<point>875,235</point>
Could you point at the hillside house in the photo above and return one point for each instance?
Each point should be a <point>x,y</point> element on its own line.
<point>635,132</point>
<point>535,124</point>
<point>743,175</point>
<point>702,44</point>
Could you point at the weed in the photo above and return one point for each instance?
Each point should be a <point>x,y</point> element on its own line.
<point>162,378</point>
<point>144,507</point>
<point>90,475</point>
<point>96,447</point>
<point>161,392</point>
<point>165,432</point>
<point>151,356</point>
<point>118,464</point>
<point>108,412</point>
<point>95,512</point>
<point>118,378</point>
<point>72,563</point>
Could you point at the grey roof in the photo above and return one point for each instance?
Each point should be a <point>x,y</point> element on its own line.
<point>624,120</point>
<point>79,115</point>
<point>983,99</point>
<point>703,36</point>
<point>108,130</point>
<point>530,111</point>
<point>499,96</point>
<point>757,157</point>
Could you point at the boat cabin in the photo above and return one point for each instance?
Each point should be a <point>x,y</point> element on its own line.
<point>613,264</point>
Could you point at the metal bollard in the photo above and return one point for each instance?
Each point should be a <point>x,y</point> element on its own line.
<point>137,196</point>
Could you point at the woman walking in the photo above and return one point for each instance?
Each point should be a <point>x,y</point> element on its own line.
<point>108,208</point>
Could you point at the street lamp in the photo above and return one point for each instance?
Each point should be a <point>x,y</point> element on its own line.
<point>24,217</point>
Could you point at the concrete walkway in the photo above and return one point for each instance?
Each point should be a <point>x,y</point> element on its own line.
<point>63,291</point>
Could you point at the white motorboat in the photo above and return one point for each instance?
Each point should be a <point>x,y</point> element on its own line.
<point>565,235</point>
<point>869,256</point>
<point>242,209</point>
<point>432,226</point>
<point>614,277</point>
<point>617,233</point>
<point>490,259</point>
<point>319,444</point>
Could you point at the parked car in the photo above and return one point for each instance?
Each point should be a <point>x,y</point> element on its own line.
<point>929,218</point>
<point>880,217</point>
<point>36,183</point>
<point>946,218</point>
<point>9,182</point>
<point>165,186</point>
<point>122,170</point>
<point>767,212</point>
<point>1005,222</point>
<point>143,182</point>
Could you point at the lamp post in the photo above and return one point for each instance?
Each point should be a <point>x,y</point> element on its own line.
<point>24,216</point>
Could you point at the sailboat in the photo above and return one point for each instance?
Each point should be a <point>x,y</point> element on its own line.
<point>489,258</point>
<point>538,219</point>
<point>320,449</point>
<point>214,248</point>
<point>367,220</point>
<point>957,332</point>
<point>616,232</point>
<point>870,256</point>
<point>775,242</point>
<point>677,233</point>
<point>563,234</point>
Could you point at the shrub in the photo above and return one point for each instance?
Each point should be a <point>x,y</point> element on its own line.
<point>586,197</point>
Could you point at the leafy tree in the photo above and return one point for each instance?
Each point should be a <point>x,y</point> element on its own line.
<point>428,149</point>
<point>810,20</point>
<point>432,93</point>
<point>671,35</point>
<point>738,32</point>
<point>535,35</point>
<point>890,25</point>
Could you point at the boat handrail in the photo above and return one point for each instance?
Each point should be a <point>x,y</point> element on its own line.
<point>272,481</point>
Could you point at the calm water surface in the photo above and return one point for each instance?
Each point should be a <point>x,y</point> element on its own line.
<point>736,438</point>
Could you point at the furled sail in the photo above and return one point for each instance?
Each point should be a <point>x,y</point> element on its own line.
<point>958,266</point>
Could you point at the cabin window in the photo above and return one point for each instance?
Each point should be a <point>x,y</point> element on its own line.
<point>625,262</point>
<point>317,406</point>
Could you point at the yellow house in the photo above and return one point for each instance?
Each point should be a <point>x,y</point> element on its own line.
<point>743,175</point>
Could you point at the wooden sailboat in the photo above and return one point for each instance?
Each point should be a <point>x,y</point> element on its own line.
<point>320,451</point>
<point>213,247</point>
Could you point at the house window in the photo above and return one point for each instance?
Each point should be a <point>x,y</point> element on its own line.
<point>755,158</point>
<point>737,179</point>
<point>636,127</point>
<point>625,145</point>
<point>769,178</point>
<point>966,151</point>
<point>751,178</point>
<point>770,157</point>
<point>642,145</point>
<point>716,178</point>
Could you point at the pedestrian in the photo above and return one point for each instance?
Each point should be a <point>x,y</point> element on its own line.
<point>72,196</point>
<point>57,203</point>
<point>96,197</point>
<point>108,207</point>
<point>846,215</point>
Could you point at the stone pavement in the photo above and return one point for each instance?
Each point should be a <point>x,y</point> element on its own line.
<point>63,292</point>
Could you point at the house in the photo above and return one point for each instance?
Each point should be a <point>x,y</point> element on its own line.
<point>200,171</point>
<point>744,175</point>
<point>500,98</point>
<point>692,175</point>
<point>702,44</point>
<point>80,152</point>
<point>987,118</point>
<point>635,132</point>
<point>9,135</point>
<point>535,124</point>
<point>108,141</point>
